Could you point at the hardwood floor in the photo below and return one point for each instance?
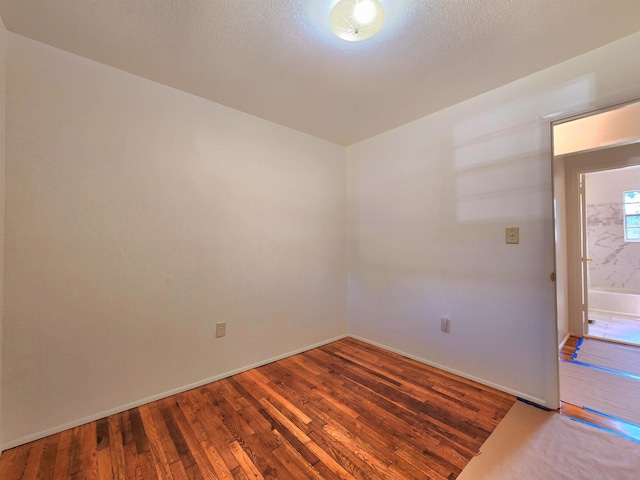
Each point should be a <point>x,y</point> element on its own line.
<point>569,348</point>
<point>345,410</point>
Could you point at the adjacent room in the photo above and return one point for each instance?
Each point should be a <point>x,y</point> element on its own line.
<point>286,239</point>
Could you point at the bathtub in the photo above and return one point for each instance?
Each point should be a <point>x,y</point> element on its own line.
<point>615,302</point>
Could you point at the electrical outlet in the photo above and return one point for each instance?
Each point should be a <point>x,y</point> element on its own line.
<point>445,325</point>
<point>221,329</point>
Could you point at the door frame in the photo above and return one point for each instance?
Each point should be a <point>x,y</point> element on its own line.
<point>603,160</point>
<point>617,140</point>
<point>576,165</point>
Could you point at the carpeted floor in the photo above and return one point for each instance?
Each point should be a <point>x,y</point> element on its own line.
<point>532,444</point>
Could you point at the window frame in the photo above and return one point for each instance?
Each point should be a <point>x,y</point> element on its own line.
<point>632,212</point>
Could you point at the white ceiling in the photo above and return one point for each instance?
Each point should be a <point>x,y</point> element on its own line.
<point>277,59</point>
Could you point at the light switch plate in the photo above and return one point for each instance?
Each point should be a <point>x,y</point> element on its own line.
<point>513,235</point>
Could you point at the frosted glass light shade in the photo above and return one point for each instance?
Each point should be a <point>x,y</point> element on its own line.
<point>356,20</point>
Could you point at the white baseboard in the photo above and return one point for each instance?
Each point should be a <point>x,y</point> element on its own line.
<point>153,398</point>
<point>483,381</point>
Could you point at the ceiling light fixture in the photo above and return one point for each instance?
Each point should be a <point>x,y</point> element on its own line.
<point>356,20</point>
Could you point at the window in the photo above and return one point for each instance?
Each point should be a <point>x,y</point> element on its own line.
<point>632,216</point>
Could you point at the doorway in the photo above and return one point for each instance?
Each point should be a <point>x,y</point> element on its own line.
<point>583,147</point>
<point>610,213</point>
<point>596,261</point>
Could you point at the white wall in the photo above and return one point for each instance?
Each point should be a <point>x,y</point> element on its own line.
<point>428,206</point>
<point>137,217</point>
<point>3,78</point>
<point>607,186</point>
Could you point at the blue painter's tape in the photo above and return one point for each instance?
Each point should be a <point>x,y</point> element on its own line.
<point>607,369</point>
<point>584,422</point>
<point>580,342</point>
<point>618,419</point>
<point>533,404</point>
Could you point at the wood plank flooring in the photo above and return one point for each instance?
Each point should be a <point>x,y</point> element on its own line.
<point>569,348</point>
<point>347,410</point>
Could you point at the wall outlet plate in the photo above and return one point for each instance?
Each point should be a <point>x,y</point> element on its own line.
<point>221,329</point>
<point>445,325</point>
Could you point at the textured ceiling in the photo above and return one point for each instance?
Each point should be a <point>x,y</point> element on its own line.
<point>278,60</point>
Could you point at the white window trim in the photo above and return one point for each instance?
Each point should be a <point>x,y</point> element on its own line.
<point>626,215</point>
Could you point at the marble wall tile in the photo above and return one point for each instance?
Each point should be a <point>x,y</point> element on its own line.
<point>616,263</point>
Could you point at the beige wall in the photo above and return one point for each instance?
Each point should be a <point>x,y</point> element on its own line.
<point>137,217</point>
<point>428,207</point>
<point>3,77</point>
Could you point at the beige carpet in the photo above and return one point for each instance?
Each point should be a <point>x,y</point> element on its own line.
<point>610,355</point>
<point>531,444</point>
